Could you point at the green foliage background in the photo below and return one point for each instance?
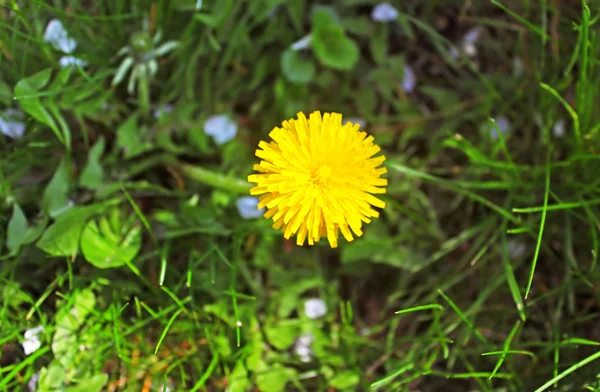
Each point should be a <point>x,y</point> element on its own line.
<point>121,235</point>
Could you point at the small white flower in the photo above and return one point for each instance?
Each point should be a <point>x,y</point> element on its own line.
<point>221,128</point>
<point>384,12</point>
<point>248,207</point>
<point>409,81</point>
<point>559,129</point>
<point>356,120</point>
<point>32,343</point>
<point>11,123</point>
<point>302,43</point>
<point>472,36</point>
<point>303,347</point>
<point>59,38</point>
<point>72,61</point>
<point>163,109</point>
<point>315,308</point>
<point>503,125</point>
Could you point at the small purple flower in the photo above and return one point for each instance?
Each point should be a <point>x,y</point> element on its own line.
<point>11,123</point>
<point>248,207</point>
<point>384,13</point>
<point>409,81</point>
<point>58,37</point>
<point>221,128</point>
<point>72,61</point>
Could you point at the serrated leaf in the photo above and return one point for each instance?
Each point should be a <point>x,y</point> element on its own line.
<point>92,176</point>
<point>17,230</point>
<point>105,247</point>
<point>55,197</point>
<point>295,68</point>
<point>333,48</point>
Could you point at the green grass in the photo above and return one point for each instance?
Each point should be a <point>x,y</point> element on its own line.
<point>121,237</point>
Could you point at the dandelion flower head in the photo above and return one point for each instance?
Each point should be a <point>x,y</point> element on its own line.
<point>317,178</point>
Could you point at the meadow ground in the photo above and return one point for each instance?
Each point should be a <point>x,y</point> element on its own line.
<point>132,258</point>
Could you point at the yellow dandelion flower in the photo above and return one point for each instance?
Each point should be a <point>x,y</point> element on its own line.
<point>317,178</point>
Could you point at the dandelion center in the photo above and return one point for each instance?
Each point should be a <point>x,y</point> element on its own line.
<point>317,178</point>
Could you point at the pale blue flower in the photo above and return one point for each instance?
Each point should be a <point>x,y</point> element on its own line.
<point>302,43</point>
<point>72,61</point>
<point>384,12</point>
<point>315,308</point>
<point>11,123</point>
<point>58,37</point>
<point>221,128</point>
<point>162,109</point>
<point>248,207</point>
<point>503,124</point>
<point>33,382</point>
<point>303,347</point>
<point>409,81</point>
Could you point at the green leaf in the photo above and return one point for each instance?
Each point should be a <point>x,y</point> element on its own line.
<point>344,379</point>
<point>238,379</point>
<point>17,230</point>
<point>92,176</point>
<point>282,336</point>
<point>273,379</point>
<point>26,93</point>
<point>55,197</point>
<point>51,378</point>
<point>90,384</point>
<point>324,16</point>
<point>128,138</point>
<point>384,251</point>
<point>295,68</point>
<point>62,237</point>
<point>379,43</point>
<point>107,245</point>
<point>333,48</point>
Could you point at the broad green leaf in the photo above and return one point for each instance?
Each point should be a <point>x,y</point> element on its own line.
<point>62,237</point>
<point>384,251</point>
<point>17,230</point>
<point>238,379</point>
<point>282,336</point>
<point>90,384</point>
<point>324,16</point>
<point>295,68</point>
<point>55,198</point>
<point>344,379</point>
<point>107,246</point>
<point>92,176</point>
<point>333,48</point>
<point>274,378</point>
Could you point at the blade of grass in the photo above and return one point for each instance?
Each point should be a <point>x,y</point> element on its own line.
<point>542,223</point>
<point>166,329</point>
<point>422,307</point>
<point>568,371</point>
<point>464,318</point>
